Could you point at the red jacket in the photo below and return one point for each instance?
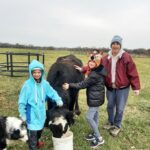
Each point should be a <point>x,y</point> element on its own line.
<point>126,72</point>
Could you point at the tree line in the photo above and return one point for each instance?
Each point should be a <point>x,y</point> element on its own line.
<point>138,51</point>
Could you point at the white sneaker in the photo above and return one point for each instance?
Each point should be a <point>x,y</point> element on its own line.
<point>115,131</point>
<point>108,126</point>
<point>96,142</point>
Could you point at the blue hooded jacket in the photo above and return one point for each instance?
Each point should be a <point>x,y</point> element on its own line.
<point>32,99</point>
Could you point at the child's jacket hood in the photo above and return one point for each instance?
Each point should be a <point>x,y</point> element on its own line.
<point>36,64</point>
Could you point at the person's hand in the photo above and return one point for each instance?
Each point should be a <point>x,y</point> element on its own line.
<point>78,68</point>
<point>65,86</point>
<point>59,103</point>
<point>136,92</point>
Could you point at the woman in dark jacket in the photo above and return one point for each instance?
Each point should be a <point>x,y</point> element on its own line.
<point>95,93</point>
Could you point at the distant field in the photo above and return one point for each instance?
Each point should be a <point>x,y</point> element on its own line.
<point>135,133</point>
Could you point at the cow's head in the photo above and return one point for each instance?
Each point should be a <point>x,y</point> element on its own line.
<point>59,121</point>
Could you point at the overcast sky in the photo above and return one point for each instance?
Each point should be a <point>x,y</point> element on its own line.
<point>74,23</point>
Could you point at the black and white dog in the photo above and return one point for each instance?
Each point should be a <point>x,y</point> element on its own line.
<point>59,121</point>
<point>11,128</point>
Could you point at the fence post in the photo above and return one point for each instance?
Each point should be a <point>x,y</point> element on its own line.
<point>28,58</point>
<point>7,58</point>
<point>11,64</point>
<point>37,57</point>
<point>43,58</point>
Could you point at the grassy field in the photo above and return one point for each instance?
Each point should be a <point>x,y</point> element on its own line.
<point>135,133</point>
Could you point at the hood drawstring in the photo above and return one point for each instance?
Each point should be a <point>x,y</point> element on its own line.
<point>35,93</point>
<point>42,94</point>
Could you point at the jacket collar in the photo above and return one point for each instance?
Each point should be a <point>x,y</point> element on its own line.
<point>119,55</point>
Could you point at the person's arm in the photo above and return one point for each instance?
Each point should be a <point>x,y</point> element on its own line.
<point>22,102</point>
<point>133,76</point>
<point>52,94</point>
<point>82,69</point>
<point>81,85</point>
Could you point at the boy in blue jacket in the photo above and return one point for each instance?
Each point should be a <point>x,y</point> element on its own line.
<point>32,102</point>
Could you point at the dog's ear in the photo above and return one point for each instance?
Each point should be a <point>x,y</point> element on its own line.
<point>70,117</point>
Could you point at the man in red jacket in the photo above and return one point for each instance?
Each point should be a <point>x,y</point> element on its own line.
<point>122,74</point>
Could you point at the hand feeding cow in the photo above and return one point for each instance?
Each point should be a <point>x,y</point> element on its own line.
<point>63,71</point>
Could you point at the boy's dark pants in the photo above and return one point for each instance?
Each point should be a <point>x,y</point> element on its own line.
<point>33,136</point>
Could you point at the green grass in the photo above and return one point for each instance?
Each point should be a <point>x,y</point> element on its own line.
<point>135,133</point>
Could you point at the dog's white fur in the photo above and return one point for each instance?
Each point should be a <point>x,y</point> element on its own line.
<point>15,123</point>
<point>12,124</point>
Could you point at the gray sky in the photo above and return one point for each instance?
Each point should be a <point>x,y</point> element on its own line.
<point>73,23</point>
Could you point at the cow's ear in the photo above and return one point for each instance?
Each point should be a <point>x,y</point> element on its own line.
<point>66,128</point>
<point>70,117</point>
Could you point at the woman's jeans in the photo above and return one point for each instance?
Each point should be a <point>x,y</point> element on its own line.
<point>92,118</point>
<point>117,99</point>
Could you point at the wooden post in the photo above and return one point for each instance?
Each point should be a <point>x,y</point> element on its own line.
<point>43,58</point>
<point>11,64</point>
<point>28,58</point>
<point>37,57</point>
<point>7,59</point>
